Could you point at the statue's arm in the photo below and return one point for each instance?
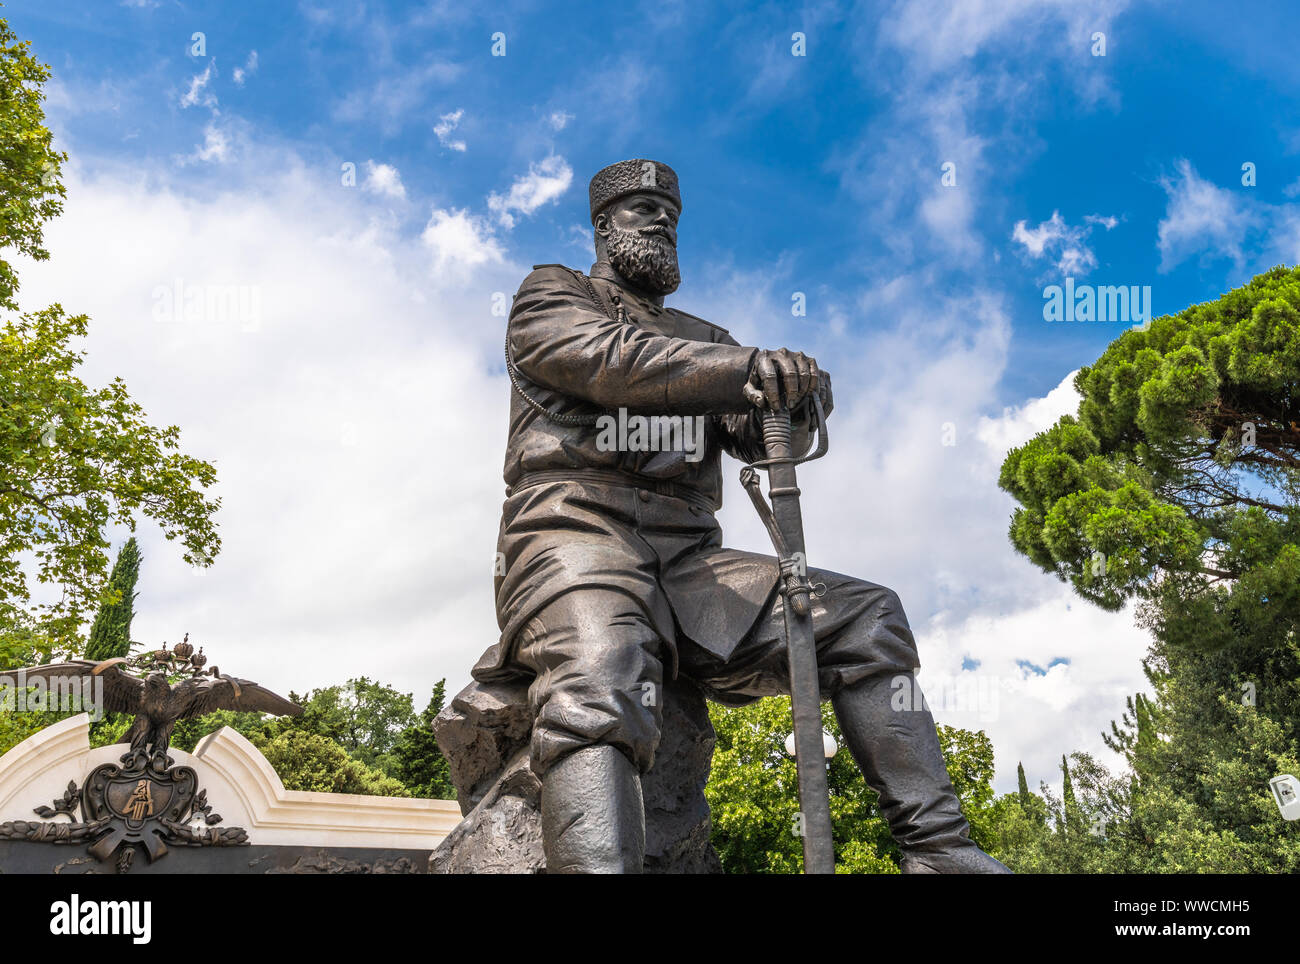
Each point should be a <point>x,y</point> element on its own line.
<point>562,341</point>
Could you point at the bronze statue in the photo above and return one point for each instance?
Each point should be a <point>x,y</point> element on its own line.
<point>614,569</point>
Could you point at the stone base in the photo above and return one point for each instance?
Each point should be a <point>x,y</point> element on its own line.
<point>484,735</point>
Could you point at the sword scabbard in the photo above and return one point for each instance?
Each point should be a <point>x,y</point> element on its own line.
<point>805,691</point>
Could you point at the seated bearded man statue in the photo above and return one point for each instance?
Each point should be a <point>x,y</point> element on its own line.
<point>614,569</point>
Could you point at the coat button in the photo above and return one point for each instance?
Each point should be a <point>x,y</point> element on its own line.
<point>644,495</point>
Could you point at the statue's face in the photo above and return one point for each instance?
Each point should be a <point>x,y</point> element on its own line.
<point>640,233</point>
<point>648,214</point>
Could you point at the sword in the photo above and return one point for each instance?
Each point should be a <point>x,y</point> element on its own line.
<point>784,523</point>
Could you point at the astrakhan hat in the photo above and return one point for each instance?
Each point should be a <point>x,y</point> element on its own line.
<point>635,176</point>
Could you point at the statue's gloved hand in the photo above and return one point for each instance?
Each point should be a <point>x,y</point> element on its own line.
<point>823,392</point>
<point>781,379</point>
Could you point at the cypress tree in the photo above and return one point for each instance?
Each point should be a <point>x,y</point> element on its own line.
<point>1067,796</point>
<point>1024,787</point>
<point>110,634</point>
<point>420,763</point>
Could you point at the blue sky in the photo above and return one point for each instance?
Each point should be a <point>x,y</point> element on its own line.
<point>819,174</point>
<point>777,152</point>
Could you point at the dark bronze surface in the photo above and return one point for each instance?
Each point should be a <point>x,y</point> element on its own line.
<point>615,579</point>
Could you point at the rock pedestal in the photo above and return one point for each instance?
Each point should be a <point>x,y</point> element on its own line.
<point>484,734</point>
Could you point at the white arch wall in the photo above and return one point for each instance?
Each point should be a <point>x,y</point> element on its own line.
<point>241,786</point>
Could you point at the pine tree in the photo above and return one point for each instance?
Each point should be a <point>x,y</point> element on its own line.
<point>110,635</point>
<point>420,764</point>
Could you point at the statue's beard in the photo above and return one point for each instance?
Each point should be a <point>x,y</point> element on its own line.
<point>649,261</point>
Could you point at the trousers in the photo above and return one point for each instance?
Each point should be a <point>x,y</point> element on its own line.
<point>598,663</point>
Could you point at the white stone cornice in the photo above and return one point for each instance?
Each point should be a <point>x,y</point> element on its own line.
<point>241,786</point>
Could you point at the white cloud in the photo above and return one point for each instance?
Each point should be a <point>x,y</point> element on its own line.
<point>446,124</point>
<point>892,504</point>
<point>1201,218</point>
<point>958,77</point>
<point>1064,245</point>
<point>198,94</point>
<point>240,74</point>
<point>356,431</point>
<point>1017,425</point>
<point>459,242</point>
<point>944,36</point>
<point>1089,660</point>
<point>559,119</point>
<point>215,148</point>
<point>385,180</point>
<point>545,182</point>
<point>1208,222</point>
<point>397,96</point>
<point>355,426</point>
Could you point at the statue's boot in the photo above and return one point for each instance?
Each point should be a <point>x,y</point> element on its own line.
<point>899,755</point>
<point>593,816</point>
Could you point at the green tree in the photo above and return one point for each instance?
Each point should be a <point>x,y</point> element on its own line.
<point>1179,473</point>
<point>1177,485</point>
<point>309,761</point>
<point>753,793</point>
<point>363,716</point>
<point>73,460</point>
<point>31,191</point>
<point>1022,785</point>
<point>110,634</point>
<point>1035,840</point>
<point>419,762</point>
<point>1224,723</point>
<point>251,725</point>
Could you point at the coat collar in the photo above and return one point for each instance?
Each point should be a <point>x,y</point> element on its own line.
<point>605,271</point>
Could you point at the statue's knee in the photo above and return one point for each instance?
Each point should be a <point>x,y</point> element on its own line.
<point>571,721</point>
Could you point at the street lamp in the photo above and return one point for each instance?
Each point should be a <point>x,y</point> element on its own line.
<point>828,745</point>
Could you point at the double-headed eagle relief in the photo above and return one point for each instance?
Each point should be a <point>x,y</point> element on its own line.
<point>174,686</point>
<point>143,799</point>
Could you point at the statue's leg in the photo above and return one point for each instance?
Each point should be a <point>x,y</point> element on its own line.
<point>899,755</point>
<point>597,704</point>
<point>593,818</point>
<point>866,656</point>
<point>864,647</point>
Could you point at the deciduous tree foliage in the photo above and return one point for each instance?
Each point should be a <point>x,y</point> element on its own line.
<point>753,794</point>
<point>31,192</point>
<point>309,761</point>
<point>74,460</point>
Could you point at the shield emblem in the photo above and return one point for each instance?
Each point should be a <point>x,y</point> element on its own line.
<point>142,799</point>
